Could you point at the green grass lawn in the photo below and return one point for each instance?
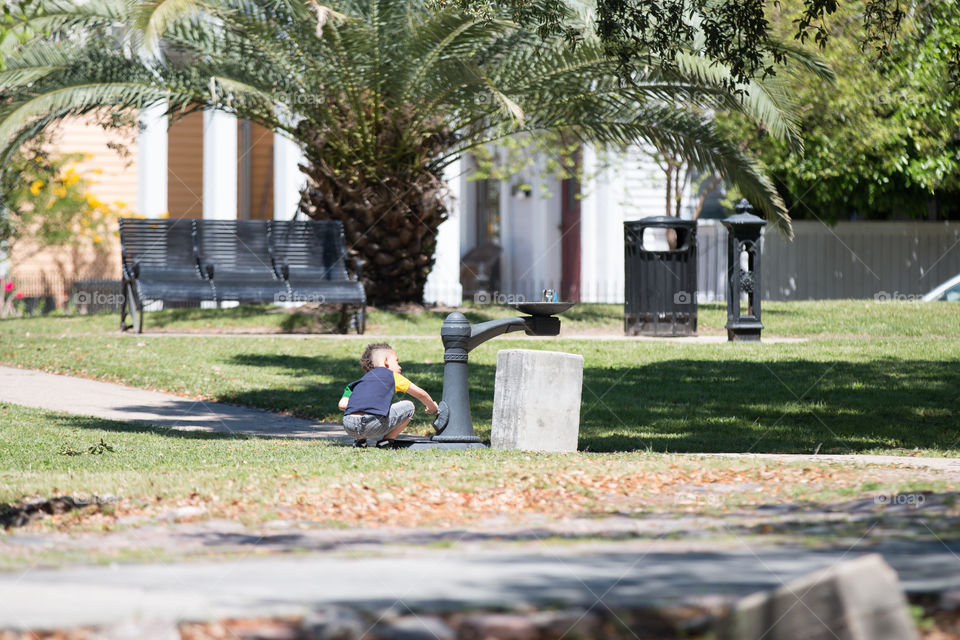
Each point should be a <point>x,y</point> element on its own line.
<point>151,470</point>
<point>869,377</point>
<point>866,377</point>
<point>821,319</point>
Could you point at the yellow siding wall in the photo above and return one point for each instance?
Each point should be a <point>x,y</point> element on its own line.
<point>113,179</point>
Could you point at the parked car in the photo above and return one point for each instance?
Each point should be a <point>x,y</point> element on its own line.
<point>949,291</point>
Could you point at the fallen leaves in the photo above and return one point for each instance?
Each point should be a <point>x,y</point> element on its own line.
<point>458,497</point>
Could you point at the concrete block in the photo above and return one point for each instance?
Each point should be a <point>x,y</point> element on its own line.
<point>859,599</point>
<point>335,623</point>
<point>502,626</point>
<point>415,627</point>
<point>138,629</point>
<point>536,400</point>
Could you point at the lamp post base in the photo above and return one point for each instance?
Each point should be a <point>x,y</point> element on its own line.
<point>433,444</point>
<point>744,330</point>
<point>743,335</point>
<point>426,442</point>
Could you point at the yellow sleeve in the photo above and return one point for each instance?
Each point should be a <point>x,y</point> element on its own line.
<point>401,383</point>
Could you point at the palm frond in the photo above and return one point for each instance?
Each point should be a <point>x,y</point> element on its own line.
<point>153,18</point>
<point>75,100</point>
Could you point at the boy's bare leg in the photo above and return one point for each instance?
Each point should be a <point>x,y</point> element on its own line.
<point>393,434</point>
<point>400,415</point>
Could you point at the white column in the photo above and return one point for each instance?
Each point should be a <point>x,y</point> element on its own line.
<point>443,284</point>
<point>219,165</point>
<point>288,180</point>
<point>152,162</point>
<point>616,192</point>
<point>591,205</point>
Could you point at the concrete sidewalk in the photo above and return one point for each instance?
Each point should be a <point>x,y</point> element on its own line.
<point>617,575</point>
<point>127,404</point>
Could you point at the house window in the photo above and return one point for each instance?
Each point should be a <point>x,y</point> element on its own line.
<point>488,212</point>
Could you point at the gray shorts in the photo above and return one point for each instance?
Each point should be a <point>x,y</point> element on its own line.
<point>371,427</point>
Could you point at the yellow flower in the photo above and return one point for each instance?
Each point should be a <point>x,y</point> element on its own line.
<point>61,192</point>
<point>96,238</point>
<point>36,186</point>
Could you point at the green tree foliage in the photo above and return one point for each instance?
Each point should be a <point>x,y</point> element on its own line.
<point>884,141</point>
<point>735,33</point>
<point>45,199</point>
<point>381,94</point>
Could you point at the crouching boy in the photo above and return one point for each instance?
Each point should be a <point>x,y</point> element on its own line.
<point>366,403</point>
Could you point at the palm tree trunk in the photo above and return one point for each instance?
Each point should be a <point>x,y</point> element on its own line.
<point>389,222</point>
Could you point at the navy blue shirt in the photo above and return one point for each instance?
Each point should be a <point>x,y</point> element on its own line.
<point>374,391</point>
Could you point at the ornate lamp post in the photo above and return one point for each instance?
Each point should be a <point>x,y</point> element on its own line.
<point>743,273</point>
<point>453,422</point>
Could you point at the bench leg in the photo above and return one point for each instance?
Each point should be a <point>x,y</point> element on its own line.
<point>360,319</point>
<point>135,311</point>
<point>123,308</point>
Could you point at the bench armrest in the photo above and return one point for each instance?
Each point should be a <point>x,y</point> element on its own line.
<point>358,267</point>
<point>131,271</point>
<point>281,268</point>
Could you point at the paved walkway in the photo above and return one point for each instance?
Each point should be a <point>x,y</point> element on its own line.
<point>621,575</point>
<point>117,402</point>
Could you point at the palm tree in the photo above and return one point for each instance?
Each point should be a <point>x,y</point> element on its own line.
<point>381,94</point>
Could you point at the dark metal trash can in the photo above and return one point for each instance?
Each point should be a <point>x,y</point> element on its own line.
<point>660,263</point>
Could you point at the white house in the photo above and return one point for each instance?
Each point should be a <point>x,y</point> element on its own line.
<point>560,235</point>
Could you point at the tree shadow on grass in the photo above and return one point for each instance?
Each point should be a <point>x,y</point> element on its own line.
<point>756,550</point>
<point>68,421</point>
<point>171,316</point>
<point>819,525</point>
<point>697,406</point>
<point>792,406</point>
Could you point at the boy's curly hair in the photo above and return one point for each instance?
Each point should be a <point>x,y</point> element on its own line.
<point>366,360</point>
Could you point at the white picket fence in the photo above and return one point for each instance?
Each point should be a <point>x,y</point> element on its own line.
<point>882,260</point>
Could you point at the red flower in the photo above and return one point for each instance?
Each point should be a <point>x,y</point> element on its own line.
<point>8,287</point>
<point>18,296</point>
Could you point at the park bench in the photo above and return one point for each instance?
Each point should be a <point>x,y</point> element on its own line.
<point>159,262</point>
<point>241,261</point>
<point>235,255</point>
<point>311,257</point>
